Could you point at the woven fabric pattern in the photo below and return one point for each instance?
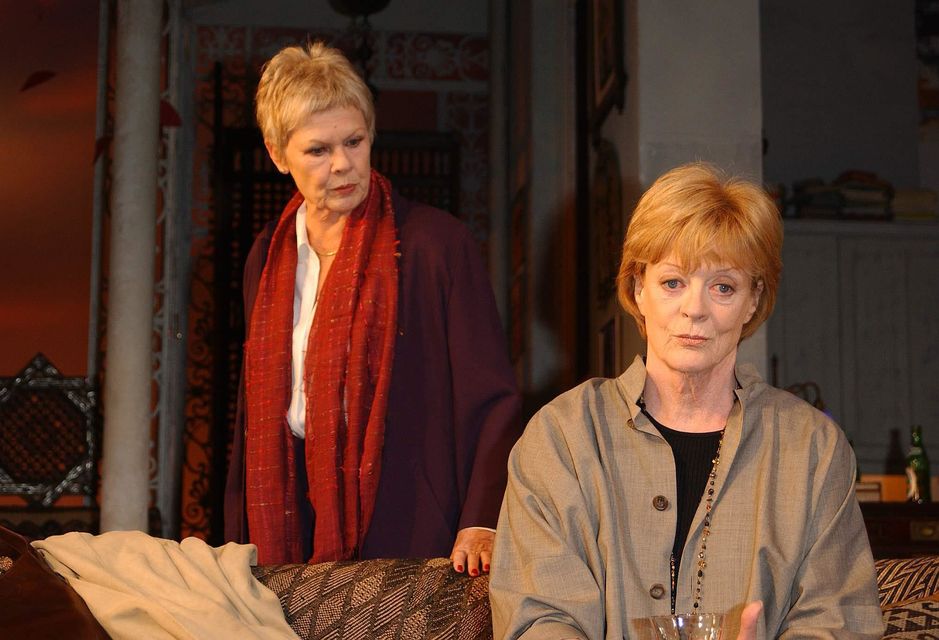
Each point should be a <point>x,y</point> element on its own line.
<point>903,580</point>
<point>397,598</point>
<point>916,621</point>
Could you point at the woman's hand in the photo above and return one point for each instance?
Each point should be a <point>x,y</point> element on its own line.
<point>748,620</point>
<point>473,547</point>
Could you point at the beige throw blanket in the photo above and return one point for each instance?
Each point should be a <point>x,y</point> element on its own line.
<point>138,586</point>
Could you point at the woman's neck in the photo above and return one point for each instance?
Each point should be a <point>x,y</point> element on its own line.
<point>694,402</point>
<point>324,228</point>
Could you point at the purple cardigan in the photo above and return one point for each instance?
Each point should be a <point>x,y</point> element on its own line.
<point>453,407</point>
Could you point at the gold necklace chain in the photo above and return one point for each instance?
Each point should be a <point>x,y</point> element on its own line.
<point>326,254</point>
<point>706,531</point>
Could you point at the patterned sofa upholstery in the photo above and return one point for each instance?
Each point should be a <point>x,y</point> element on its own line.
<point>425,599</point>
<point>381,599</point>
<point>401,599</point>
<point>909,597</point>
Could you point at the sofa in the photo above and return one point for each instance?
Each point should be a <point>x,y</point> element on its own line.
<point>381,599</point>
<point>909,596</point>
<point>426,599</point>
<point>396,598</point>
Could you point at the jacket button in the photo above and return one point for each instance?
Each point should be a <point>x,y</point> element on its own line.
<point>657,591</point>
<point>660,503</point>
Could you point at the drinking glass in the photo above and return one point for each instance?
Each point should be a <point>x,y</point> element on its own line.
<point>689,626</point>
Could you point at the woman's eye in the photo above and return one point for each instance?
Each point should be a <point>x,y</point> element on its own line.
<point>354,142</point>
<point>317,151</point>
<point>725,288</point>
<point>671,284</point>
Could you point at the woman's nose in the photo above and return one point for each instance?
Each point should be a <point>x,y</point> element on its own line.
<point>693,303</point>
<point>340,160</point>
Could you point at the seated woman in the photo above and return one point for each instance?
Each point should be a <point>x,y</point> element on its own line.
<point>687,484</point>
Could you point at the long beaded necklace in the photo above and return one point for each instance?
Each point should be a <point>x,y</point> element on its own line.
<point>706,531</point>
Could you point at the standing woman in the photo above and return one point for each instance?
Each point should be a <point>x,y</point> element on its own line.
<point>378,405</point>
<point>687,484</point>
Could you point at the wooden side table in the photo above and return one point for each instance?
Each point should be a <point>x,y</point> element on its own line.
<point>902,529</point>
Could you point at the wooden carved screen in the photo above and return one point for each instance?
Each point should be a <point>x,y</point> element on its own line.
<point>48,451</point>
<point>423,166</point>
<point>249,192</point>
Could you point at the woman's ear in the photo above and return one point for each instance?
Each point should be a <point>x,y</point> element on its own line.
<point>637,291</point>
<point>755,302</point>
<point>276,157</point>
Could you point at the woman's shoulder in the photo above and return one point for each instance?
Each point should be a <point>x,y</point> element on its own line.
<point>789,404</point>
<point>576,414</point>
<point>585,395</point>
<point>262,242</point>
<point>425,227</point>
<point>257,255</point>
<point>797,420</point>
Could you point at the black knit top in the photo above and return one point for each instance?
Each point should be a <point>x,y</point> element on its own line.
<point>694,456</point>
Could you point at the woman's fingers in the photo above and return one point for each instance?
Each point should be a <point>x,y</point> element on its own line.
<point>459,560</point>
<point>472,550</point>
<point>748,620</point>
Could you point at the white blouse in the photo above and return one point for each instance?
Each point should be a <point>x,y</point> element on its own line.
<point>304,308</point>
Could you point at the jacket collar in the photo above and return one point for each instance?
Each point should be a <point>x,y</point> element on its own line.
<point>633,381</point>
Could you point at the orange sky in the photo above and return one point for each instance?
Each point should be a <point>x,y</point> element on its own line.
<point>46,147</point>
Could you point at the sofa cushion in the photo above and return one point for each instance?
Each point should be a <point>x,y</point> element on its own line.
<point>900,581</point>
<point>917,620</point>
<point>381,599</point>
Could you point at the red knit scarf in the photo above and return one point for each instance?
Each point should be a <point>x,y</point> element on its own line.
<point>346,375</point>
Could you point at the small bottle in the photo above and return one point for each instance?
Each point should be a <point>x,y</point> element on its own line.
<point>918,480</point>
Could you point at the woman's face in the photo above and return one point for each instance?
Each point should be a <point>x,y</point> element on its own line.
<point>694,319</point>
<point>328,157</point>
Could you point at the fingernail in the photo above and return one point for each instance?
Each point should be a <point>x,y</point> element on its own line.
<point>473,572</point>
<point>459,568</point>
<point>485,567</point>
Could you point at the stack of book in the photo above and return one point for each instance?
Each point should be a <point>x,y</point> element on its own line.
<point>854,195</point>
<point>812,198</point>
<point>914,204</point>
<point>866,197</point>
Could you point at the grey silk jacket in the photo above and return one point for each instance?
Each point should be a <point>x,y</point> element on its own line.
<point>582,548</point>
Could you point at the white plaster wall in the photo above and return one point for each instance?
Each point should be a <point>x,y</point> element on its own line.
<point>839,89</point>
<point>699,78</point>
<point>459,16</point>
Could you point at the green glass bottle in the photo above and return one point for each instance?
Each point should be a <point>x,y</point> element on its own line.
<point>918,480</point>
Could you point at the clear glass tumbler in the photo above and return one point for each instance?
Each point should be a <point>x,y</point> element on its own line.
<point>689,626</point>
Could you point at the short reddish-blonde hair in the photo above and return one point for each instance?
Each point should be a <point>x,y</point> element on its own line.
<point>300,81</point>
<point>701,216</point>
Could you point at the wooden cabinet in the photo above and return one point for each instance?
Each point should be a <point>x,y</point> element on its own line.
<point>902,529</point>
<point>858,313</point>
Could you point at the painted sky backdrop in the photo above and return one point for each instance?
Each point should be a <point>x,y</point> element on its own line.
<point>46,149</point>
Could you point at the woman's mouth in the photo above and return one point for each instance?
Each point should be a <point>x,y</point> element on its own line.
<point>345,189</point>
<point>690,340</point>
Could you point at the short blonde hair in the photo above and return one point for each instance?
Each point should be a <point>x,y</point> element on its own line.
<point>300,81</point>
<point>704,217</point>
